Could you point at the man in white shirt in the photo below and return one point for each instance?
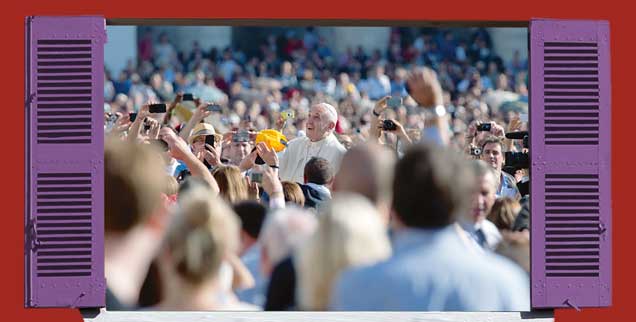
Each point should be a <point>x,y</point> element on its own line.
<point>480,230</point>
<point>319,142</point>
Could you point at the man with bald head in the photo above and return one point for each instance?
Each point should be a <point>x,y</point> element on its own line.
<point>367,169</point>
<point>320,142</point>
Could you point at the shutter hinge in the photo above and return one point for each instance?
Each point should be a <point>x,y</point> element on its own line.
<point>74,304</point>
<point>602,229</point>
<point>571,304</point>
<point>29,100</point>
<point>32,233</point>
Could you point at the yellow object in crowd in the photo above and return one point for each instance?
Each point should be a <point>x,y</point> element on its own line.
<point>273,139</point>
<point>182,112</point>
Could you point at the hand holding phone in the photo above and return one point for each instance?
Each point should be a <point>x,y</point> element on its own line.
<point>209,139</point>
<point>188,97</point>
<point>484,127</point>
<point>256,177</point>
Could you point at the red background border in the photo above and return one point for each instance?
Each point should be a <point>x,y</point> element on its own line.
<point>12,140</point>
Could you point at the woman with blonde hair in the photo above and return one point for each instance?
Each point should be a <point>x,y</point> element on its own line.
<point>201,238</point>
<point>232,184</point>
<point>504,212</point>
<point>350,233</point>
<point>293,193</point>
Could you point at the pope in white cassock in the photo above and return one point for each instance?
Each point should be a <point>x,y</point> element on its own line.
<point>319,142</point>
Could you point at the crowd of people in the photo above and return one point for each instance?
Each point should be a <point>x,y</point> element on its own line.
<point>246,183</point>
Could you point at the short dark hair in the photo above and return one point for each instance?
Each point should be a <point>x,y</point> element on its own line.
<point>493,139</point>
<point>318,171</point>
<point>252,215</point>
<point>432,185</point>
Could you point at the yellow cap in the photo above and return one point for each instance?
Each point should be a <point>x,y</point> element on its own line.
<point>273,139</point>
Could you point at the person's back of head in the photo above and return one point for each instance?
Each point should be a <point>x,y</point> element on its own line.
<point>367,169</point>
<point>133,182</point>
<point>232,185</point>
<point>283,230</point>
<point>318,171</point>
<point>432,186</point>
<point>252,215</point>
<point>171,186</point>
<point>350,233</point>
<point>293,193</point>
<point>201,234</point>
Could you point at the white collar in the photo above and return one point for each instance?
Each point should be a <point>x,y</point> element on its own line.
<point>320,188</point>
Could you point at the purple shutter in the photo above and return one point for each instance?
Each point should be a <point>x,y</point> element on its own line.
<point>64,219</point>
<point>570,152</point>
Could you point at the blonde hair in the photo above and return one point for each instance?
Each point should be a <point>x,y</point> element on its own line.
<point>231,183</point>
<point>171,186</point>
<point>350,233</point>
<point>293,193</point>
<point>200,236</point>
<point>504,212</point>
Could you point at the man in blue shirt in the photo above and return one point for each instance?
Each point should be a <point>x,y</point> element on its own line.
<point>433,267</point>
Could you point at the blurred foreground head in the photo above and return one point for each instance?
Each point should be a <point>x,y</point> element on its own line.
<point>282,231</point>
<point>350,233</point>
<point>432,187</point>
<point>201,234</point>
<point>134,177</point>
<point>367,169</point>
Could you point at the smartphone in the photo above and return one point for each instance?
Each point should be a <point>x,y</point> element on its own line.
<point>258,160</point>
<point>133,116</point>
<point>523,117</point>
<point>214,108</point>
<point>484,127</point>
<point>242,136</point>
<point>388,125</point>
<point>287,115</point>
<point>394,102</point>
<point>188,97</point>
<point>209,139</point>
<point>157,108</point>
<point>256,177</point>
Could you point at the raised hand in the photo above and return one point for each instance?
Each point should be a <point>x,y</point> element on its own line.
<point>380,105</point>
<point>424,87</point>
<point>267,154</point>
<point>271,183</point>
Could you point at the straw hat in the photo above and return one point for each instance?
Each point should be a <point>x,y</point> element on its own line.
<point>204,129</point>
